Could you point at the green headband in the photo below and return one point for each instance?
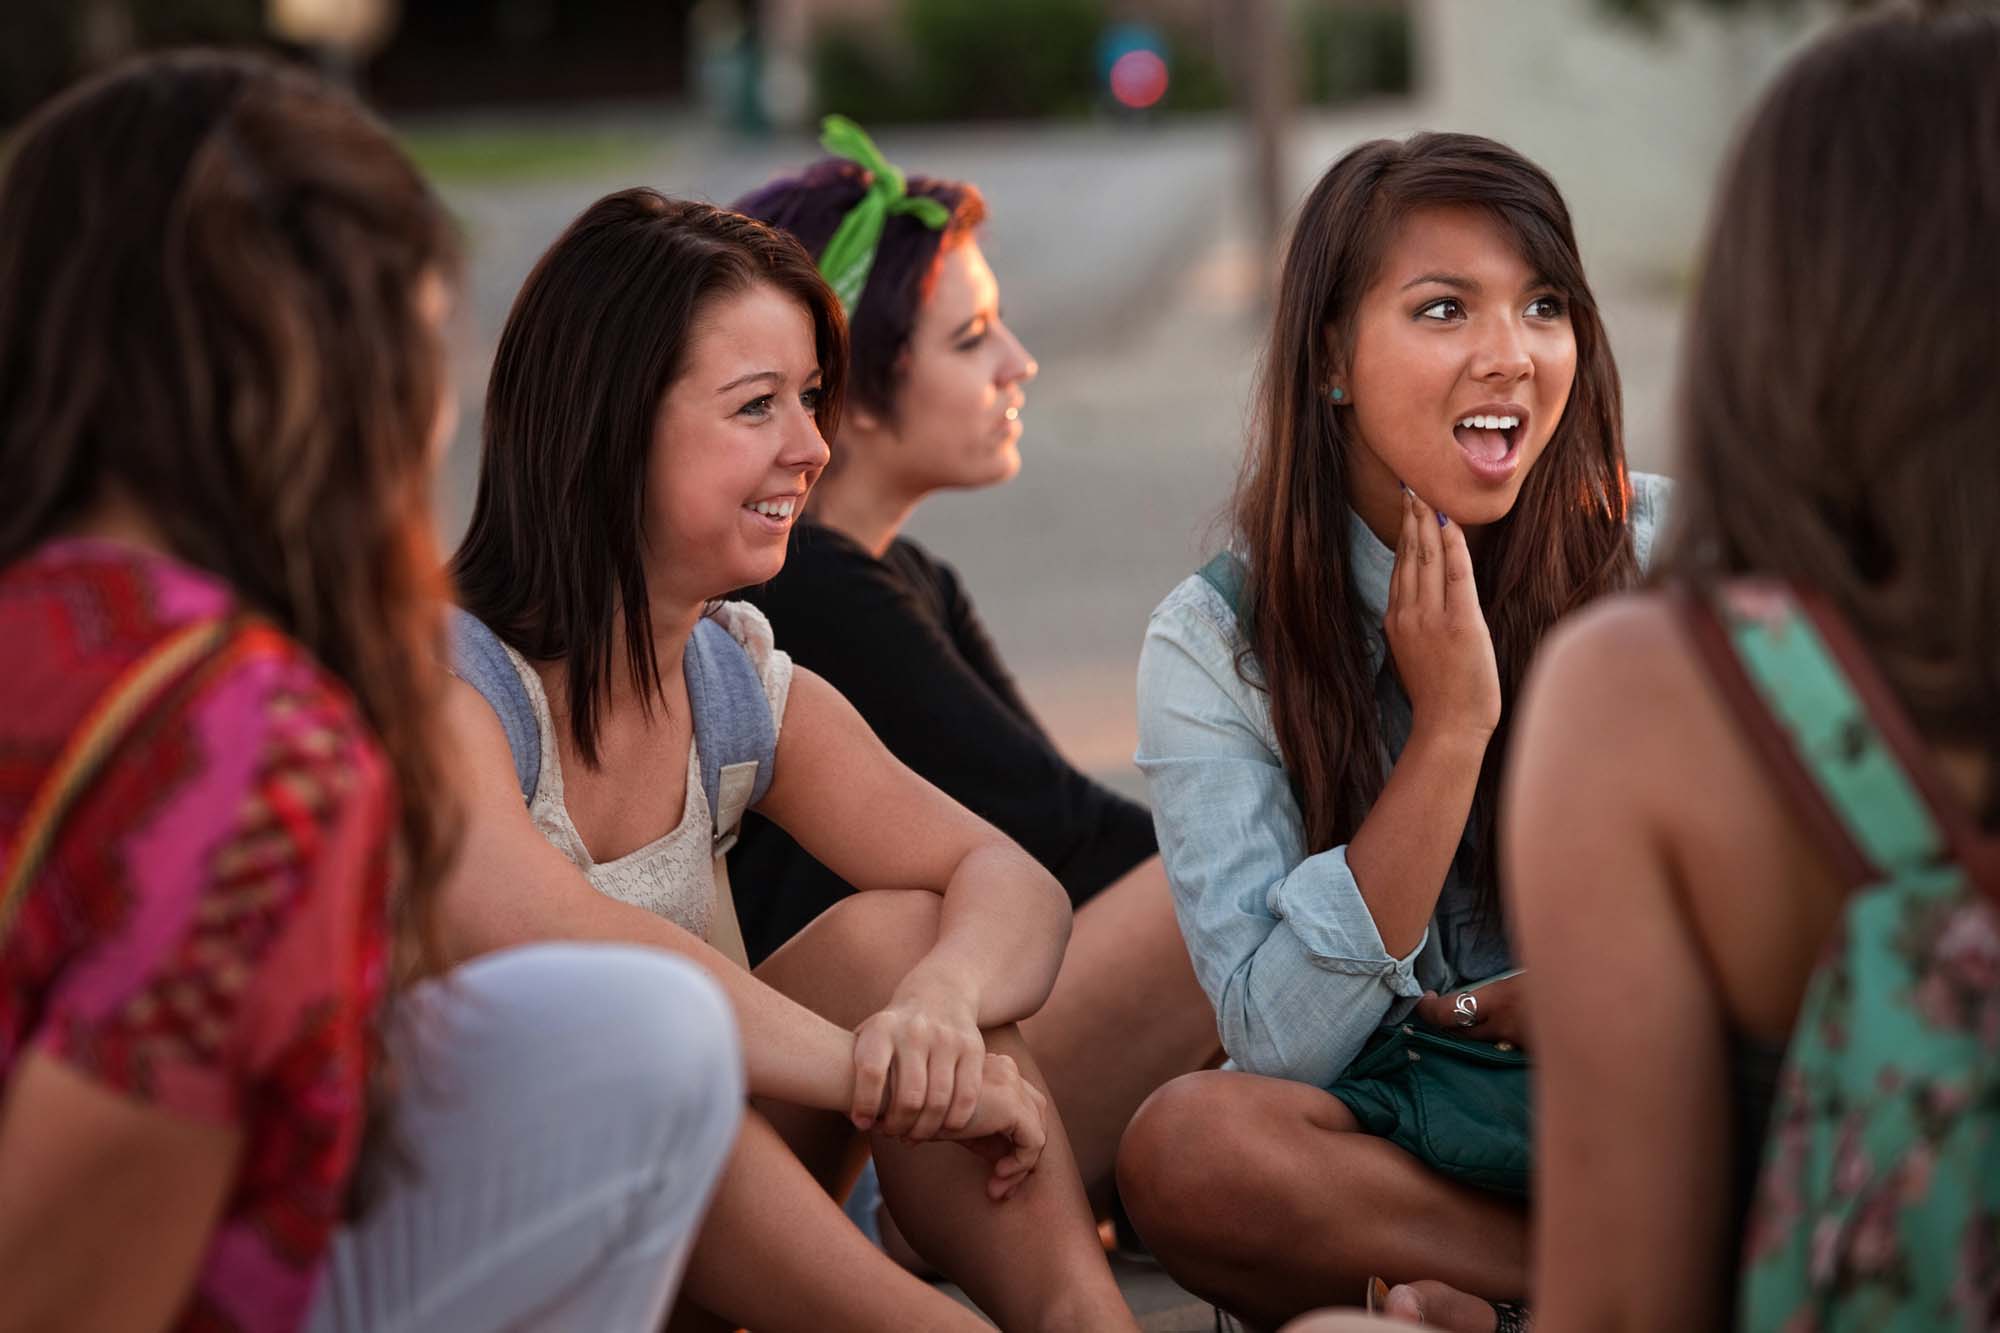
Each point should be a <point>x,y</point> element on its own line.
<point>850,255</point>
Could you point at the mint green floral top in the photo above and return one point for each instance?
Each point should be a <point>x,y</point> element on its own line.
<point>1878,1204</point>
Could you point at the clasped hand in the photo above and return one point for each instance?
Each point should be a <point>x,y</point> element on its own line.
<point>922,1072</point>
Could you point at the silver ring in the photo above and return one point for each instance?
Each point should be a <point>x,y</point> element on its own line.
<point>1467,1009</point>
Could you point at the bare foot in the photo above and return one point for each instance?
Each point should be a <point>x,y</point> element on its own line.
<point>1436,1305</point>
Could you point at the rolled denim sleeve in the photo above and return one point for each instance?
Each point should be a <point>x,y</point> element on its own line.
<point>1281,941</point>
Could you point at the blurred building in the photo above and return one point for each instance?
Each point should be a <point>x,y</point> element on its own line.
<point>1633,121</point>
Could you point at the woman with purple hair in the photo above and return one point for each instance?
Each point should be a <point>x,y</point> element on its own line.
<point>936,382</point>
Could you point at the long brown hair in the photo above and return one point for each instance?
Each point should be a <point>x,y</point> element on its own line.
<point>1840,383</point>
<point>1564,542</point>
<point>209,268</point>
<point>554,557</point>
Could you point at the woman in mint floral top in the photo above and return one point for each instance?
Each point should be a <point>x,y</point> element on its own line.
<point>1752,818</point>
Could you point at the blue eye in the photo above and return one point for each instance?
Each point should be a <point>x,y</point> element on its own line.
<point>812,398</point>
<point>756,407</point>
<point>1442,309</point>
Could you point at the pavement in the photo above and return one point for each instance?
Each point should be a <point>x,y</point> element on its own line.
<point>1127,264</point>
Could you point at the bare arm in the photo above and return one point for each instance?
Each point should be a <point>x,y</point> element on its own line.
<point>511,887</point>
<point>106,1204</point>
<point>1633,1132</point>
<point>877,825</point>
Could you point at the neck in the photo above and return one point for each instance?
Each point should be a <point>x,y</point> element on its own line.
<point>116,517</point>
<point>862,507</point>
<point>673,621</point>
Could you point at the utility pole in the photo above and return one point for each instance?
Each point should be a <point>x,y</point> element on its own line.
<point>1265,75</point>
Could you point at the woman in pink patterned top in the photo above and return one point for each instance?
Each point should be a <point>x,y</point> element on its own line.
<point>208,937</point>
<point>222,392</point>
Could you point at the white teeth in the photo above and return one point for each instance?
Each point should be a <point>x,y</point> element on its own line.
<point>772,508</point>
<point>1489,423</point>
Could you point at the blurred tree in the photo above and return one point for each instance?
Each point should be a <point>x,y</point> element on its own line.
<point>44,44</point>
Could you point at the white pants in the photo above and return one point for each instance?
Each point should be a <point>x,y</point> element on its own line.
<point>569,1109</point>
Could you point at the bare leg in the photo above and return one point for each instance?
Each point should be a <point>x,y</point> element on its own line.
<point>1126,1015</point>
<point>1260,1195</point>
<point>1032,1262</point>
<point>776,1254</point>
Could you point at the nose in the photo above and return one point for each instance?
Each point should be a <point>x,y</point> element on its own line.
<point>805,448</point>
<point>1502,356</point>
<point>1020,366</point>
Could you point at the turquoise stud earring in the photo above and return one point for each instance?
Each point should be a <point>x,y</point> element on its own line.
<point>1337,394</point>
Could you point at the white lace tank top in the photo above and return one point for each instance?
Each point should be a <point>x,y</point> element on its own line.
<point>674,875</point>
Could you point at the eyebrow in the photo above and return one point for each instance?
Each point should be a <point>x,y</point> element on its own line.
<point>1459,281</point>
<point>1466,284</point>
<point>771,375</point>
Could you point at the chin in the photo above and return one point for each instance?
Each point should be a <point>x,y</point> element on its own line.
<point>1006,467</point>
<point>1477,506</point>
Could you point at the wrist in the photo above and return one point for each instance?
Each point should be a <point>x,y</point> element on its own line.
<point>938,987</point>
<point>1450,737</point>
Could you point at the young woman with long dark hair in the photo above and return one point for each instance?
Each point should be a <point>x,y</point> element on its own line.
<point>224,802</point>
<point>654,427</point>
<point>1437,476</point>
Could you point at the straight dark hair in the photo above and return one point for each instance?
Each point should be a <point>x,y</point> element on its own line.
<point>554,558</point>
<point>209,276</point>
<point>1841,383</point>
<point>1564,542</point>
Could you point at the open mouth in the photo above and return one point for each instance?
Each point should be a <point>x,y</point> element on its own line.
<point>1490,442</point>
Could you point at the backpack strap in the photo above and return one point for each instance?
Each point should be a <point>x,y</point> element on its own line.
<point>480,660</point>
<point>1226,574</point>
<point>732,727</point>
<point>1833,734</point>
<point>175,662</point>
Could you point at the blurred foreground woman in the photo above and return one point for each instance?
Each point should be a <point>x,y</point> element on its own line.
<point>223,803</point>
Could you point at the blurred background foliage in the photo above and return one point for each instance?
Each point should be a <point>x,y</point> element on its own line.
<point>946,60</point>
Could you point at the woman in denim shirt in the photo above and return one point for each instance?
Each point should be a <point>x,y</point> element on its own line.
<point>1322,716</point>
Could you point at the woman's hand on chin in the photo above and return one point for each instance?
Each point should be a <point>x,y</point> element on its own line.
<point>920,1063</point>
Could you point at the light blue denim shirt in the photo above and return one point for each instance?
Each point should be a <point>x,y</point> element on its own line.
<point>1282,941</point>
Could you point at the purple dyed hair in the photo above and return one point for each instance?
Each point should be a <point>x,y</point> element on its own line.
<point>810,207</point>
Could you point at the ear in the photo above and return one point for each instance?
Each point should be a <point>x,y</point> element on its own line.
<point>861,419</point>
<point>1336,356</point>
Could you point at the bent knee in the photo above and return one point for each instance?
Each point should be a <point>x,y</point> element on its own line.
<point>1174,1151</point>
<point>888,923</point>
<point>676,1028</point>
<point>617,1024</point>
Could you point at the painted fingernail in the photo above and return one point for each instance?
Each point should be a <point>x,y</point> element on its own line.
<point>1443,522</point>
<point>1405,486</point>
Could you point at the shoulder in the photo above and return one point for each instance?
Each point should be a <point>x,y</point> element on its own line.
<point>1199,619</point>
<point>1194,601</point>
<point>751,629</point>
<point>1612,680</point>
<point>1652,504</point>
<point>277,792</point>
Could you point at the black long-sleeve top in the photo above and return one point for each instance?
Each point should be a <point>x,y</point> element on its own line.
<point>900,639</point>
